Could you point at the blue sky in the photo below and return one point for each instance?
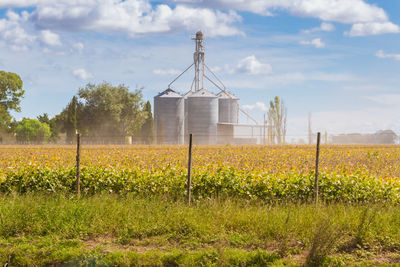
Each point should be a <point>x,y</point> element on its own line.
<point>338,59</point>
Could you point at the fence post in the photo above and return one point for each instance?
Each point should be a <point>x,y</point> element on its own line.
<point>78,161</point>
<point>316,168</point>
<point>189,181</point>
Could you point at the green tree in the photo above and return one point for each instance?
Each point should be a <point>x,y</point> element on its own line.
<point>67,121</point>
<point>103,113</point>
<point>277,115</point>
<point>54,128</point>
<point>44,118</point>
<point>11,93</point>
<point>147,131</point>
<point>32,131</point>
<point>110,111</point>
<point>71,120</point>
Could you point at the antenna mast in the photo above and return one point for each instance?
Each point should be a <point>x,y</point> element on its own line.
<point>199,61</point>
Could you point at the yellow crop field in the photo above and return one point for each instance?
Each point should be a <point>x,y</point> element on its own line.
<point>254,171</point>
<point>378,161</point>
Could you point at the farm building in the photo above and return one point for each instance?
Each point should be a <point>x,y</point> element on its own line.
<point>380,137</point>
<point>212,118</point>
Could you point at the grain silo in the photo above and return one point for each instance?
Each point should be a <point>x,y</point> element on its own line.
<point>210,118</point>
<point>186,131</point>
<point>228,107</point>
<point>202,116</point>
<point>169,117</point>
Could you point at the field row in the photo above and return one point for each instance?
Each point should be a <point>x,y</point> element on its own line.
<point>348,173</point>
<point>377,161</point>
<point>217,183</point>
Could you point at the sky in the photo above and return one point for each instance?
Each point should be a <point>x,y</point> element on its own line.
<point>336,59</point>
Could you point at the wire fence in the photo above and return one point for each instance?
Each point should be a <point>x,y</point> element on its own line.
<point>219,139</point>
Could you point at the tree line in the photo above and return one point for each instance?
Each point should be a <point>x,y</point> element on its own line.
<point>101,113</point>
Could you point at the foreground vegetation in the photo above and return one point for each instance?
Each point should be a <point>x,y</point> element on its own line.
<point>251,206</point>
<point>109,229</point>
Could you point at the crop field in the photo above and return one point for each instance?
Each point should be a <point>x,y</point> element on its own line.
<point>252,206</point>
<point>348,173</point>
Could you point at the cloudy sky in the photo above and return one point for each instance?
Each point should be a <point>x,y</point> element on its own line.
<point>338,59</point>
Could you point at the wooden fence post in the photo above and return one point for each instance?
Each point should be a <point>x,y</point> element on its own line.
<point>189,181</point>
<point>78,161</point>
<point>316,168</point>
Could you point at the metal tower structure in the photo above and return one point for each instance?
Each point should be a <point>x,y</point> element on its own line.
<point>198,57</point>
<point>202,110</point>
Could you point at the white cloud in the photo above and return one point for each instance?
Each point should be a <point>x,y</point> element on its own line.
<point>382,54</point>
<point>79,47</point>
<point>291,78</point>
<point>343,11</point>
<point>215,69</point>
<point>317,42</point>
<point>251,65</point>
<point>82,74</point>
<point>324,27</point>
<point>137,17</point>
<point>213,23</point>
<point>134,17</point>
<point>257,106</point>
<point>327,27</point>
<point>14,34</point>
<point>166,71</point>
<point>366,18</point>
<point>385,99</point>
<point>22,3</point>
<point>373,28</point>
<point>12,16</point>
<point>50,38</point>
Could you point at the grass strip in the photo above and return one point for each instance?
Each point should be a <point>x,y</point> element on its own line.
<point>106,229</point>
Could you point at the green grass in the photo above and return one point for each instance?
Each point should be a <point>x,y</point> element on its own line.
<point>40,229</point>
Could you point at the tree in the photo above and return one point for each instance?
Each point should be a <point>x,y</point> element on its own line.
<point>11,93</point>
<point>67,121</point>
<point>71,120</point>
<point>54,129</point>
<point>5,118</point>
<point>147,131</point>
<point>271,135</point>
<point>43,118</point>
<point>103,113</point>
<point>277,115</point>
<point>32,131</point>
<point>110,111</point>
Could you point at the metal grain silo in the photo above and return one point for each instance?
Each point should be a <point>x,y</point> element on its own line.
<point>202,116</point>
<point>169,117</point>
<point>185,96</point>
<point>228,108</point>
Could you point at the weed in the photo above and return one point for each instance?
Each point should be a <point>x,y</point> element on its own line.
<point>325,239</point>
